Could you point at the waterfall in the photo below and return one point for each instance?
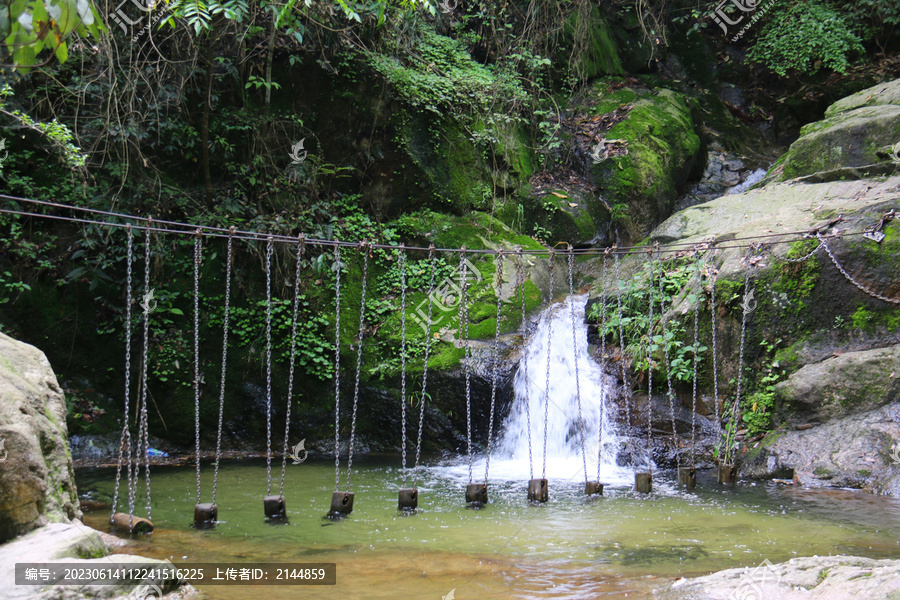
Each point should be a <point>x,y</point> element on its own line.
<point>554,333</point>
<point>509,459</point>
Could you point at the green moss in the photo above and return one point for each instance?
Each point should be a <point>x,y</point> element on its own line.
<point>475,231</point>
<point>864,472</point>
<point>660,136</point>
<point>597,53</point>
<point>863,319</point>
<point>611,99</point>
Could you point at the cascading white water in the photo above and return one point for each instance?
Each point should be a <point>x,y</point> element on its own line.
<point>509,461</point>
<point>559,402</point>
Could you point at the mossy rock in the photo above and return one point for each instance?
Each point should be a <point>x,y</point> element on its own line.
<point>597,53</point>
<point>852,134</point>
<point>878,95</point>
<point>665,150</point>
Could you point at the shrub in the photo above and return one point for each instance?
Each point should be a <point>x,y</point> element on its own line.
<point>806,37</point>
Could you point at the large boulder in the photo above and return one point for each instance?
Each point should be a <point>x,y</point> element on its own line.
<point>842,384</point>
<point>851,452</point>
<point>855,132</point>
<point>37,480</point>
<point>652,153</point>
<point>809,578</point>
<point>75,546</point>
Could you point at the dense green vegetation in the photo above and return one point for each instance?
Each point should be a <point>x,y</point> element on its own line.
<point>422,122</point>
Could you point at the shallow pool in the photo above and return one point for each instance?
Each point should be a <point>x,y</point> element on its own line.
<point>569,548</point>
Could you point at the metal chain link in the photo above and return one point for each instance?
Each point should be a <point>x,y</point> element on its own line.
<point>401,262</point>
<point>431,260</point>
<point>797,260</point>
<point>228,268</point>
<point>670,388</point>
<point>198,241</point>
<point>650,360</point>
<point>269,242</point>
<point>603,272</point>
<point>495,353</point>
<point>145,438</point>
<point>421,429</point>
<point>337,368</point>
<point>571,262</point>
<point>858,285</point>
<point>712,311</point>
<point>520,283</point>
<point>464,331</point>
<point>626,388</point>
<point>549,348</point>
<point>301,246</point>
<point>696,366</point>
<point>359,346</point>
<point>126,436</point>
<point>740,373</point>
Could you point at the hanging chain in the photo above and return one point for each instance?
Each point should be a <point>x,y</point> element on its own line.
<point>301,244</point>
<point>126,436</point>
<point>712,311</point>
<point>650,360</point>
<point>748,295</point>
<point>198,241</point>
<point>625,387</point>
<point>495,358</point>
<point>575,350</point>
<point>520,283</point>
<point>547,378</point>
<point>797,260</point>
<point>269,242</point>
<point>401,262</point>
<point>464,331</point>
<point>337,367</point>
<point>696,366</point>
<point>145,438</point>
<point>431,259</point>
<point>603,359</point>
<point>670,389</point>
<point>359,346</point>
<point>858,285</point>
<point>228,265</point>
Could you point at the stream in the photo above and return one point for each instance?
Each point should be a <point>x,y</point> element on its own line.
<point>569,548</point>
<point>621,544</point>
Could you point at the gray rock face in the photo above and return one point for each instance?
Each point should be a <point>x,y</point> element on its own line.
<point>811,578</point>
<point>37,481</point>
<point>837,386</point>
<point>853,451</point>
<point>71,543</point>
<point>853,131</point>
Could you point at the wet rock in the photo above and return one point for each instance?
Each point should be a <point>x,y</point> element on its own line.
<point>78,546</point>
<point>809,578</point>
<point>854,452</point>
<point>37,483</point>
<point>837,386</point>
<point>853,131</point>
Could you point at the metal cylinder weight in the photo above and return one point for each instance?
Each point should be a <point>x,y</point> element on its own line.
<point>205,515</point>
<point>643,482</point>
<point>476,494</point>
<point>341,504</point>
<point>538,490</point>
<point>408,499</point>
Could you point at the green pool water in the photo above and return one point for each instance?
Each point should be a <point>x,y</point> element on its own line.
<point>616,546</point>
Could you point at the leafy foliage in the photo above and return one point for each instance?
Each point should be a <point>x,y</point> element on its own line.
<point>644,340</point>
<point>806,37</point>
<point>30,26</point>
